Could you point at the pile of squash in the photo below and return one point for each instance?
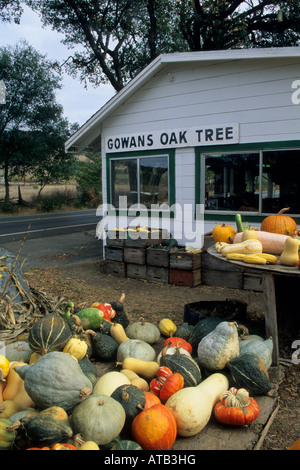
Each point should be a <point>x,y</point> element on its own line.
<point>277,241</point>
<point>52,397</point>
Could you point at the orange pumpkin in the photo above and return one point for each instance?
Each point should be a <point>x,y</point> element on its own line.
<point>63,446</point>
<point>223,233</point>
<point>155,428</point>
<point>151,400</point>
<point>236,408</point>
<point>279,223</point>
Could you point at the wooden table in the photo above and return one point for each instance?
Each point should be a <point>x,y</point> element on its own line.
<point>279,284</point>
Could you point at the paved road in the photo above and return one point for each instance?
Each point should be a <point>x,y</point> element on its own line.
<point>68,237</point>
<point>41,225</point>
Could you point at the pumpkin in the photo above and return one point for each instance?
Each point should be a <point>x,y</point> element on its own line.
<point>136,348</point>
<point>48,427</point>
<point>166,383</point>
<point>217,348</point>
<point>76,347</point>
<point>151,400</point>
<point>248,371</point>
<point>290,254</point>
<point>7,436</point>
<point>184,365</point>
<point>99,418</point>
<point>146,369</point>
<point>222,233</point>
<point>132,400</point>
<point>49,333</point>
<point>104,347</point>
<point>155,428</point>
<point>184,331</point>
<point>263,348</point>
<point>180,342</point>
<point>55,379</point>
<point>15,387</point>
<point>172,350</point>
<point>108,382</point>
<point>279,223</point>
<point>126,444</point>
<point>4,366</point>
<point>63,446</point>
<point>272,243</point>
<point>167,327</point>
<point>192,406</point>
<point>236,408</point>
<point>144,331</point>
<point>295,445</point>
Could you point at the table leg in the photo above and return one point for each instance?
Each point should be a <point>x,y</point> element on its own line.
<point>268,285</point>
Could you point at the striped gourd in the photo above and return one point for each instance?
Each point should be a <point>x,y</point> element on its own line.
<point>50,333</point>
<point>185,365</point>
<point>250,246</point>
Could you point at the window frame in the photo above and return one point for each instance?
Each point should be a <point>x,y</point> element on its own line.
<point>169,153</point>
<point>201,152</point>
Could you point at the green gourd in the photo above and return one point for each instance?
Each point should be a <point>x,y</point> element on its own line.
<point>7,437</point>
<point>49,333</point>
<point>90,318</point>
<point>136,348</point>
<point>133,401</point>
<point>185,365</point>
<point>104,347</point>
<point>143,330</point>
<point>248,371</point>
<point>262,348</point>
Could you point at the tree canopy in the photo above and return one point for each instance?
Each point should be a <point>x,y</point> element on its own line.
<point>32,128</point>
<point>112,40</point>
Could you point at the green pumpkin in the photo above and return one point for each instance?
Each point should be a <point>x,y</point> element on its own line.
<point>104,347</point>
<point>202,329</point>
<point>143,330</point>
<point>133,401</point>
<point>248,371</point>
<point>98,418</point>
<point>49,333</point>
<point>185,365</point>
<point>136,348</point>
<point>126,444</point>
<point>89,369</point>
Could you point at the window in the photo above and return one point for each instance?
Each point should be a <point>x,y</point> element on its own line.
<point>259,182</point>
<point>232,182</point>
<point>143,180</point>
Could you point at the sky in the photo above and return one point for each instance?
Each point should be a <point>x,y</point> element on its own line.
<point>79,103</point>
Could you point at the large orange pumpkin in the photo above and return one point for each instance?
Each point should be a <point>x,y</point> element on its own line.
<point>279,223</point>
<point>155,428</point>
<point>223,233</point>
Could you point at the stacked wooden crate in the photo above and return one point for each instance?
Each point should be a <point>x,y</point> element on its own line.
<point>185,268</point>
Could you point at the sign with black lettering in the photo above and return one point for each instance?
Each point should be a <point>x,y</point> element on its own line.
<point>190,137</point>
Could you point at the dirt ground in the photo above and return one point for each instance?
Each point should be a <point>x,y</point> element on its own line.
<point>86,284</point>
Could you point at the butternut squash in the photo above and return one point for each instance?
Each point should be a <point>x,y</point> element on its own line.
<point>146,369</point>
<point>290,254</point>
<point>15,388</point>
<point>272,243</point>
<point>192,406</point>
<point>118,333</point>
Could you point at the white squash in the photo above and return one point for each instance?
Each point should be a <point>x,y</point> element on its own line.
<point>192,406</point>
<point>107,383</point>
<point>217,348</point>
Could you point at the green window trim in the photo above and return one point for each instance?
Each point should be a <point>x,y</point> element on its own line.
<point>251,147</point>
<point>145,153</point>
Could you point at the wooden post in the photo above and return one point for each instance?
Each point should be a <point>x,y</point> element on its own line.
<point>268,284</point>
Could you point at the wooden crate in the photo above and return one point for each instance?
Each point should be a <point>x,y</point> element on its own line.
<point>113,238</point>
<point>115,268</point>
<point>181,259</point>
<point>213,277</point>
<point>182,277</point>
<point>252,282</point>
<point>113,253</point>
<point>136,271</point>
<point>157,274</point>
<point>134,255</point>
<point>146,239</point>
<point>157,257</point>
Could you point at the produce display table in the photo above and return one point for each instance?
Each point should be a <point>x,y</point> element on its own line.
<point>278,283</point>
